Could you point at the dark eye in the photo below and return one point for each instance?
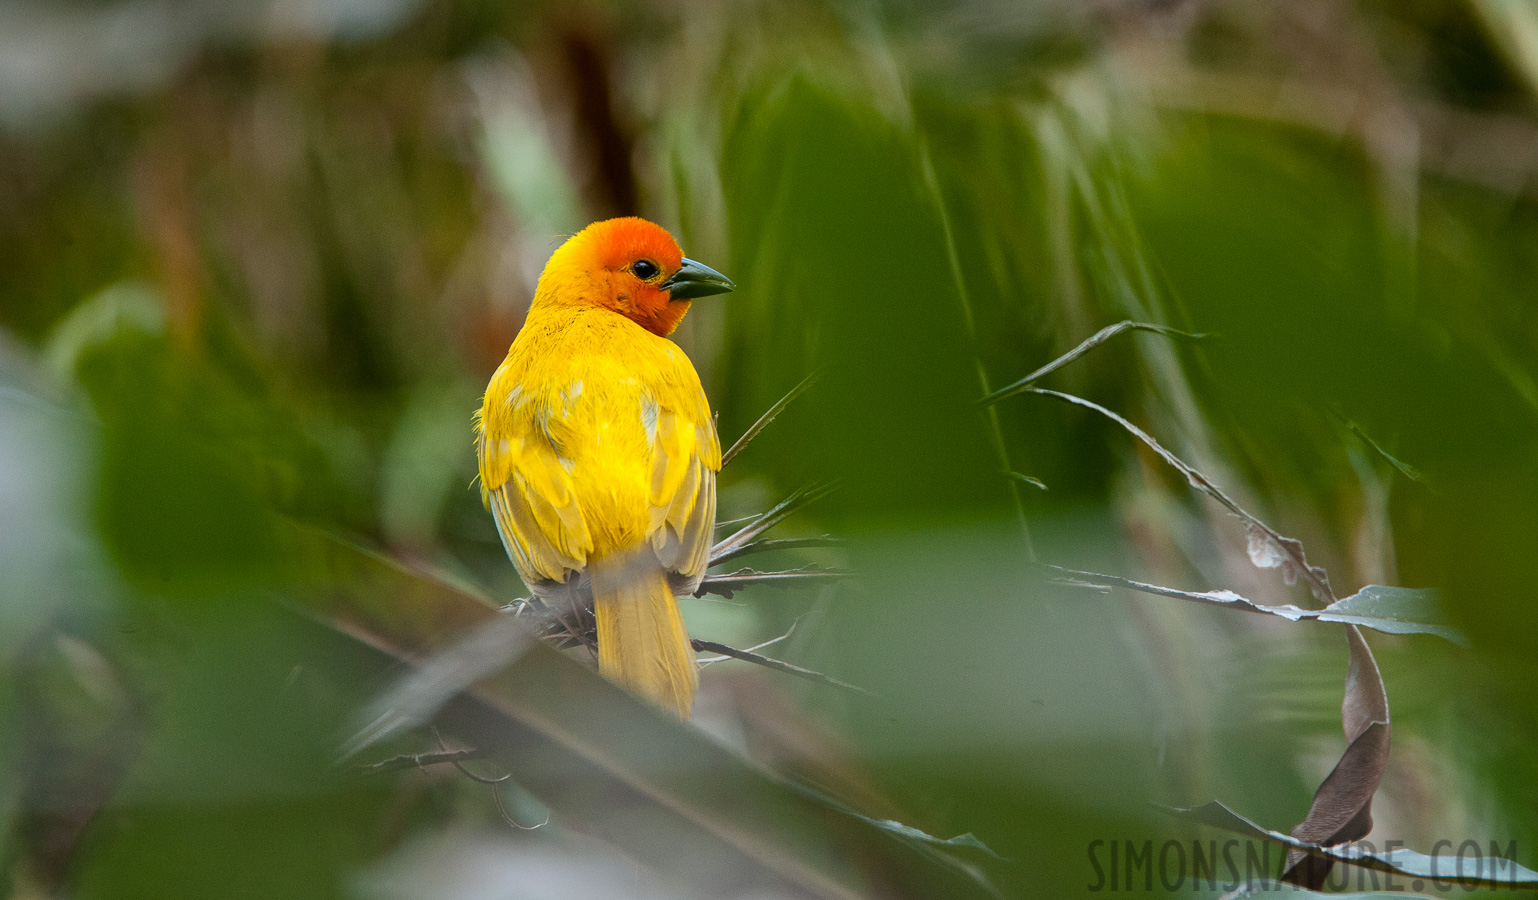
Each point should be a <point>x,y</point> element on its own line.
<point>644,269</point>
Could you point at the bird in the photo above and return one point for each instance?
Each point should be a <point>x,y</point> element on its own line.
<point>598,451</point>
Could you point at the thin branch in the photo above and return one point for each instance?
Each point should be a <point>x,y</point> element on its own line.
<point>480,779</point>
<point>1267,548</point>
<point>1076,578</point>
<point>1384,609</point>
<point>768,546</point>
<point>421,760</point>
<point>727,584</point>
<point>456,758</point>
<point>459,764</point>
<point>764,420</point>
<point>563,629</point>
<point>1094,340</point>
<point>769,643</point>
<point>777,665</point>
<point>783,510</point>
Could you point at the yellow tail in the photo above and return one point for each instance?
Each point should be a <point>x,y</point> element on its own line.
<point>642,644</point>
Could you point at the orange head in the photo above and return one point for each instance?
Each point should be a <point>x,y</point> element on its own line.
<point>632,267</point>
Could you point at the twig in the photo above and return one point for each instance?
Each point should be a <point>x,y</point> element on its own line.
<point>727,584</point>
<point>1267,548</point>
<point>1089,344</point>
<point>459,764</point>
<point>764,420</point>
<point>457,759</point>
<point>421,760</point>
<point>1076,578</point>
<point>772,641</point>
<point>480,779</point>
<point>749,656</point>
<point>767,546</point>
<point>567,625</point>
<point>1366,608</point>
<point>779,513</point>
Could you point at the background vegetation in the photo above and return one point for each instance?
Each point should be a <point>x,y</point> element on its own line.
<point>257,261</point>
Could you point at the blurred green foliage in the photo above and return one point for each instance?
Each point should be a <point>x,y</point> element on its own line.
<point>257,261</point>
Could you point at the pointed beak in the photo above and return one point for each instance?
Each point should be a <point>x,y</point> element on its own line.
<point>696,280</point>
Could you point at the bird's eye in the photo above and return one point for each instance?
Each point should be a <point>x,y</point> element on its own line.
<point>644,269</point>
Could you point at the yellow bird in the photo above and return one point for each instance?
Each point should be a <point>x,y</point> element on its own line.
<point>598,453</point>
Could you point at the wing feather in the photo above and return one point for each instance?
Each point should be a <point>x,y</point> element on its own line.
<point>686,455</point>
<point>535,505</point>
<point>570,480</point>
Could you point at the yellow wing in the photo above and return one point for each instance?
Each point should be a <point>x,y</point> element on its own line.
<point>585,456</point>
<point>534,502</point>
<point>685,458</point>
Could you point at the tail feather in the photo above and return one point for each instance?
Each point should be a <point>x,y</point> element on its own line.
<point>642,644</point>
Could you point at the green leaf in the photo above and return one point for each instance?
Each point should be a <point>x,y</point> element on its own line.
<point>1393,610</point>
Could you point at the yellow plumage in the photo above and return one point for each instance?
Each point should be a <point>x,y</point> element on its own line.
<point>598,456</point>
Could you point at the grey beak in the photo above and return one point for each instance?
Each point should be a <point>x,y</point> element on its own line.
<point>696,280</point>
